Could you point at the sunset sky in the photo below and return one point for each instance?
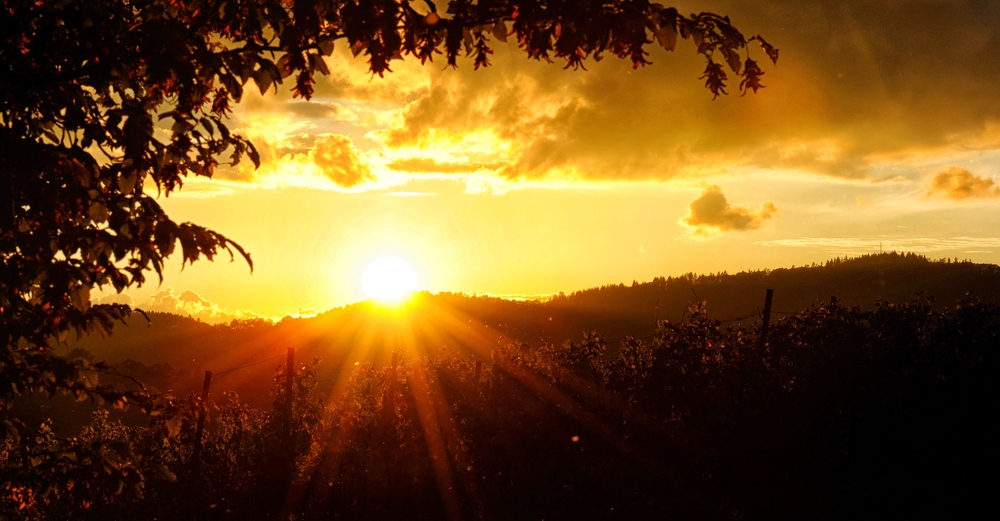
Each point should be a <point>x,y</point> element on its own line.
<point>880,124</point>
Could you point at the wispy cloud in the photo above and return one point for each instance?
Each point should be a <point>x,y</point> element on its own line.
<point>409,194</point>
<point>421,164</point>
<point>857,245</point>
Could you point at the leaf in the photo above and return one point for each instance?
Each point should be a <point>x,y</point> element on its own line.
<point>318,64</point>
<point>357,47</point>
<point>254,155</point>
<point>126,183</point>
<point>98,212</point>
<point>467,40</point>
<point>269,68</point>
<point>715,78</point>
<point>174,425</point>
<point>325,46</point>
<point>733,59</point>
<point>500,31</point>
<point>205,122</point>
<point>283,66</point>
<point>165,473</point>
<point>262,80</point>
<point>771,51</point>
<point>180,126</point>
<point>80,172</point>
<point>81,297</point>
<point>12,431</point>
<point>751,77</point>
<point>88,377</point>
<point>667,36</point>
<point>232,85</point>
<point>245,72</point>
<point>697,36</point>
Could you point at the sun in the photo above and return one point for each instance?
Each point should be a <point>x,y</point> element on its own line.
<point>388,279</point>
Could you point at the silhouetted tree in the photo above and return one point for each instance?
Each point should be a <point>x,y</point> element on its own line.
<point>104,102</point>
<point>84,85</point>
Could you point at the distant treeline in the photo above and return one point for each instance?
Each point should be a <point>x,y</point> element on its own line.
<point>889,412</point>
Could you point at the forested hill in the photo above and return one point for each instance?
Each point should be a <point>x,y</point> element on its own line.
<point>860,281</point>
<point>366,332</point>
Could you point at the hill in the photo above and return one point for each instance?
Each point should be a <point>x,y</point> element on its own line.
<point>474,325</point>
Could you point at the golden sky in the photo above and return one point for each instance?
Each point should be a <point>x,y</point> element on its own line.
<point>880,124</point>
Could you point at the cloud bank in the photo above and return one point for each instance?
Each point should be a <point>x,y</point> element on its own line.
<point>194,305</point>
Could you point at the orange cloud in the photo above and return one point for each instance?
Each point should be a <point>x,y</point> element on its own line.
<point>958,184</point>
<point>712,211</point>
<point>338,160</point>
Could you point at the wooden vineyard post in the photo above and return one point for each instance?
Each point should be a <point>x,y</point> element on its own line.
<point>766,322</point>
<point>389,404</point>
<point>389,441</point>
<point>200,429</point>
<point>289,381</point>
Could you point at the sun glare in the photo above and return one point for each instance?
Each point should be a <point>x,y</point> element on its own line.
<point>388,279</point>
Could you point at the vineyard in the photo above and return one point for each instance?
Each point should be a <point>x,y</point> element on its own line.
<point>840,412</point>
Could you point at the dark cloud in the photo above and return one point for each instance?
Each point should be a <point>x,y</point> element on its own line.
<point>712,211</point>
<point>228,173</point>
<point>336,157</point>
<point>315,109</point>
<point>958,184</point>
<point>272,148</point>
<point>282,102</point>
<point>350,79</point>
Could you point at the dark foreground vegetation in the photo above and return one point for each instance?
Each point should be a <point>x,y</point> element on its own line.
<point>885,413</point>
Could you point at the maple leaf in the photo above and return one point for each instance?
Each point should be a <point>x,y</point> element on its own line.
<point>751,77</point>
<point>715,78</point>
<point>772,51</point>
<point>303,85</point>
